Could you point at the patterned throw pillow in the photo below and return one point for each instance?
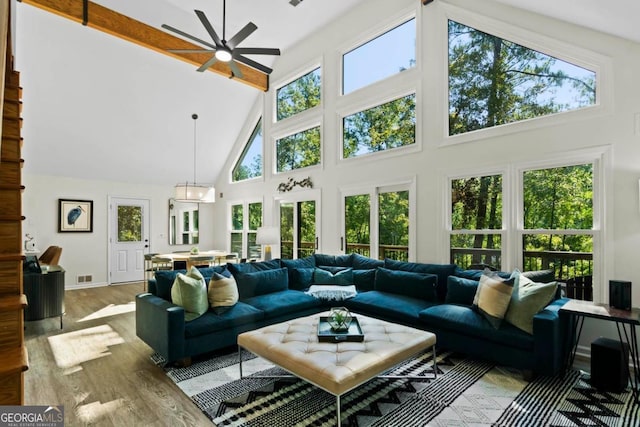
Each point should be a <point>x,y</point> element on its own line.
<point>493,296</point>
<point>223,293</point>
<point>527,300</point>
<point>189,291</point>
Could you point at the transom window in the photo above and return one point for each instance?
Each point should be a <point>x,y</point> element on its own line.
<point>299,150</point>
<point>250,163</point>
<point>493,81</point>
<point>382,57</point>
<point>384,127</point>
<point>300,95</point>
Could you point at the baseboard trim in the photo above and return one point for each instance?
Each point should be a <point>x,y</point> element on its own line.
<point>86,286</point>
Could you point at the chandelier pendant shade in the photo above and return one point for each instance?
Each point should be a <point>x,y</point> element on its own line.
<point>194,191</point>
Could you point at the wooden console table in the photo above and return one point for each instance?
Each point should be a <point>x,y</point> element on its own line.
<point>578,310</point>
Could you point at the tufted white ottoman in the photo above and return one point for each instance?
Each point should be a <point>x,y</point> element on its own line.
<point>336,367</point>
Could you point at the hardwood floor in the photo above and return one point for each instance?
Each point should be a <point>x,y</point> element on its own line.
<point>98,369</point>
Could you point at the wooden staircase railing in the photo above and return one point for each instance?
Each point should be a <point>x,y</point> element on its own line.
<point>13,352</point>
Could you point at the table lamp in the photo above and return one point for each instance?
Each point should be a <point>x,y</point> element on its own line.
<point>267,236</point>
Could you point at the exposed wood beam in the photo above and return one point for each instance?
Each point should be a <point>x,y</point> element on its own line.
<point>118,25</point>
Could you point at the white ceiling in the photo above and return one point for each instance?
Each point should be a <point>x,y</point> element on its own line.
<point>617,17</point>
<point>92,101</point>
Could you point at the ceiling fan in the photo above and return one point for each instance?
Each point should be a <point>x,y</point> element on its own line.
<point>225,50</point>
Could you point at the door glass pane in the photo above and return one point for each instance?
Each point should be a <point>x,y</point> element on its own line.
<point>393,223</point>
<point>307,228</point>
<point>286,230</point>
<point>357,224</point>
<point>129,223</point>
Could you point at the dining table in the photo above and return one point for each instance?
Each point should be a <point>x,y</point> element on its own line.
<point>192,259</point>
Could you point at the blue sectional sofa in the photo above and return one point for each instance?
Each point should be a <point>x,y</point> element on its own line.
<point>434,297</point>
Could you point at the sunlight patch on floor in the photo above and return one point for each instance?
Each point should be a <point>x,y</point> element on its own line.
<point>94,412</point>
<point>110,310</point>
<point>72,349</point>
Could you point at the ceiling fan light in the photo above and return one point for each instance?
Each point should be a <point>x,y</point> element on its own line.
<point>223,55</point>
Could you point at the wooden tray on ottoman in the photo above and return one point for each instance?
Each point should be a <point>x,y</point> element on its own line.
<point>326,334</point>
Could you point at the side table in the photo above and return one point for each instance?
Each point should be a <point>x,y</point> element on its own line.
<point>578,310</point>
<point>45,294</point>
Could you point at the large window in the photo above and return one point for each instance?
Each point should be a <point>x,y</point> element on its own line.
<point>250,163</point>
<point>382,57</point>
<point>553,222</point>
<point>377,223</point>
<point>301,94</point>
<point>493,81</point>
<point>246,218</point>
<point>384,127</point>
<point>299,150</point>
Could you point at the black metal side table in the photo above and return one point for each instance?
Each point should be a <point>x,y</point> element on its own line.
<point>578,310</point>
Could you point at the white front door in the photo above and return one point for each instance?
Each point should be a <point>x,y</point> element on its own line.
<point>128,238</point>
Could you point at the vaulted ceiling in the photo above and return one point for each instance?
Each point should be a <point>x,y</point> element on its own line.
<point>96,106</point>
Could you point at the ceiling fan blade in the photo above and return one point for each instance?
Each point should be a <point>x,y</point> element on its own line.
<point>189,36</point>
<point>256,51</point>
<point>235,70</point>
<point>208,64</point>
<point>241,35</point>
<point>190,50</point>
<point>209,27</point>
<point>252,64</point>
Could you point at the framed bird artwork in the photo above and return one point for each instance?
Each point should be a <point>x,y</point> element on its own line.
<point>75,216</point>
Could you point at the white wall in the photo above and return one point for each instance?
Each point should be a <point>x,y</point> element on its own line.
<point>87,253</point>
<point>614,124</point>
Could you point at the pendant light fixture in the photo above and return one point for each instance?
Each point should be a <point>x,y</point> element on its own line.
<point>192,191</point>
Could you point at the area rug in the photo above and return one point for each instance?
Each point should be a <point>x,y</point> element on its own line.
<point>466,393</point>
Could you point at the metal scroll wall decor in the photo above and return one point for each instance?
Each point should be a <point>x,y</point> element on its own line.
<point>283,187</point>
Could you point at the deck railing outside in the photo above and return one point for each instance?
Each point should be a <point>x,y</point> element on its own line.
<point>395,252</point>
<point>575,268</point>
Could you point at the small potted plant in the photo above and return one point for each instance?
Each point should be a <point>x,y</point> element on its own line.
<point>339,319</point>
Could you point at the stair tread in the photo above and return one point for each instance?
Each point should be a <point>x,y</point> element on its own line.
<point>13,302</point>
<point>14,360</point>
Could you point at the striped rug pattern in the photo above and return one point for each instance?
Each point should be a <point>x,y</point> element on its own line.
<point>466,393</point>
